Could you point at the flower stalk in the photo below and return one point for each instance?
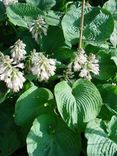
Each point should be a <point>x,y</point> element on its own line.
<point>81,25</point>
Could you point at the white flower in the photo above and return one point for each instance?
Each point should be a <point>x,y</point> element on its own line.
<point>42,66</point>
<point>18,51</point>
<point>37,27</point>
<point>11,75</point>
<point>7,2</point>
<point>86,64</point>
<point>15,80</point>
<point>80,60</point>
<point>93,65</point>
<point>85,74</point>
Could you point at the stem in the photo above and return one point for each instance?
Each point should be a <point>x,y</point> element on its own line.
<point>81,25</point>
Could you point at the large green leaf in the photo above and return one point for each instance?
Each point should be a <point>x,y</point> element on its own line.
<point>21,13</point>
<point>31,103</point>
<point>49,136</point>
<point>98,24</point>
<point>102,140</point>
<point>43,4</point>
<point>78,104</point>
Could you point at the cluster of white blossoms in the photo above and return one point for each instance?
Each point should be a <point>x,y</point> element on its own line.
<point>7,2</point>
<point>38,27</point>
<point>18,51</point>
<point>42,67</point>
<point>10,67</point>
<point>86,64</point>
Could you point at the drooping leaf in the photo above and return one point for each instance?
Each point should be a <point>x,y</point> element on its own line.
<point>79,104</point>
<point>98,25</point>
<point>102,141</point>
<point>43,4</point>
<point>22,14</point>
<point>31,103</point>
<point>49,136</point>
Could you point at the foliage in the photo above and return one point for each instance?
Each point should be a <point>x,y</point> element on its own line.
<point>56,99</point>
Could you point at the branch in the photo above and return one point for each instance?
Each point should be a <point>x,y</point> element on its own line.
<point>81,25</point>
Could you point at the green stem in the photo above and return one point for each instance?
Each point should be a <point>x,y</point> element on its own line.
<point>81,25</point>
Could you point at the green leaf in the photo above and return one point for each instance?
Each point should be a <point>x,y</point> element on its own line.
<point>113,53</point>
<point>31,103</point>
<point>22,14</point>
<point>109,96</point>
<point>79,104</point>
<point>113,38</point>
<point>98,25</point>
<point>53,41</point>
<point>2,12</point>
<point>112,129</point>
<point>64,54</point>
<point>4,91</point>
<point>9,136</point>
<point>111,5</point>
<point>53,18</point>
<point>49,136</point>
<point>43,4</point>
<point>100,141</point>
<point>107,66</point>
<point>26,37</point>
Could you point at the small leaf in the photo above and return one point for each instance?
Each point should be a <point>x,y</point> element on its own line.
<point>50,136</point>
<point>79,104</point>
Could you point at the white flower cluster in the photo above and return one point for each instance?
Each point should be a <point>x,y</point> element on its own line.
<point>42,66</point>
<point>10,69</point>
<point>7,2</point>
<point>37,27</point>
<point>18,51</point>
<point>86,64</point>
